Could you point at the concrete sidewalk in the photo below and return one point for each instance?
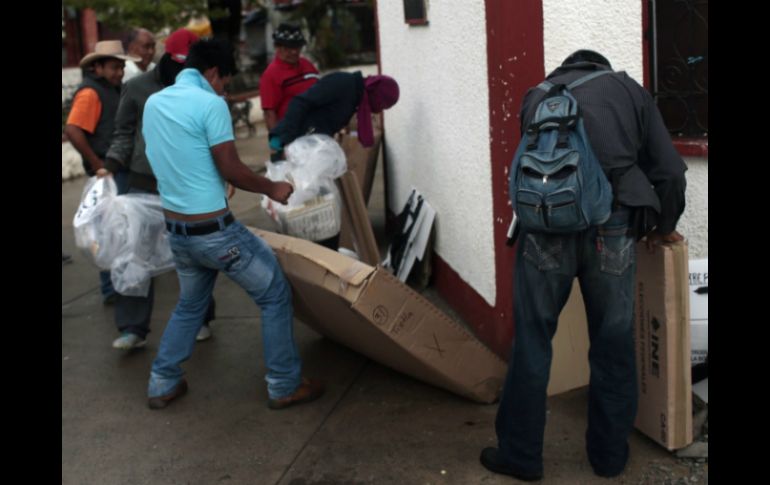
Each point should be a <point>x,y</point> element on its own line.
<point>373,425</point>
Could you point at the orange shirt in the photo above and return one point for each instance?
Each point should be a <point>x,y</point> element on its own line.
<point>86,110</point>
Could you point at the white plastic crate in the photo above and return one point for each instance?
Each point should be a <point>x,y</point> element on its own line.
<point>315,220</point>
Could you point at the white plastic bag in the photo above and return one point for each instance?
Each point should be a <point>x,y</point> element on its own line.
<point>313,211</point>
<point>123,233</point>
<point>97,194</point>
<point>314,158</point>
<point>137,242</point>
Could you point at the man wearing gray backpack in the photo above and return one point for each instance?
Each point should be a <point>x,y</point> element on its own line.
<point>564,236</point>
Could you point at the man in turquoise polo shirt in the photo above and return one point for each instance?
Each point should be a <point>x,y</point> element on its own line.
<point>191,149</point>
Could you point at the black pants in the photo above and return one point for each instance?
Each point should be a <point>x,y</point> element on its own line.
<point>331,243</point>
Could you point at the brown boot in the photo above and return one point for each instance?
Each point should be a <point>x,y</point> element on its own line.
<point>160,402</point>
<point>308,390</point>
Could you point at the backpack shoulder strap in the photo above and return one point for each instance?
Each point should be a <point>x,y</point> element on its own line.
<point>586,78</point>
<point>547,85</point>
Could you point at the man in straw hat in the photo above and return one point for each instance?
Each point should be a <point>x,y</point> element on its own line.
<point>91,120</point>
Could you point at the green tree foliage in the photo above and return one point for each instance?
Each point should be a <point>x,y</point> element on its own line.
<point>151,14</point>
<point>334,31</point>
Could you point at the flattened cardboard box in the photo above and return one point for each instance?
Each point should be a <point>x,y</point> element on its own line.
<point>663,345</point>
<point>569,367</point>
<point>369,310</point>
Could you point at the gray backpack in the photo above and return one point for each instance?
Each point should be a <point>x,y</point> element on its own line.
<point>557,184</point>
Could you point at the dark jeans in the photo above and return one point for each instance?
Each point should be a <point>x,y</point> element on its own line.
<point>332,243</point>
<point>133,313</point>
<point>603,258</point>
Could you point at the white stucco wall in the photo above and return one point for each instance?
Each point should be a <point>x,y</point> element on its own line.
<point>438,134</point>
<point>614,28</point>
<point>611,27</point>
<point>70,78</point>
<point>694,223</point>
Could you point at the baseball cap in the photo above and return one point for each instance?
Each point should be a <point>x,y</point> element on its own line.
<point>178,44</point>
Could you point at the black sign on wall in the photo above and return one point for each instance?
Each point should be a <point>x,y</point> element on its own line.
<point>414,12</point>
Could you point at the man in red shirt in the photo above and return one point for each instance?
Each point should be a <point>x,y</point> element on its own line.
<point>287,76</point>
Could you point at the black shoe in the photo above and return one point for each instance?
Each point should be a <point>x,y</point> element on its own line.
<point>611,469</point>
<point>110,299</point>
<point>608,474</point>
<point>160,402</point>
<point>492,462</point>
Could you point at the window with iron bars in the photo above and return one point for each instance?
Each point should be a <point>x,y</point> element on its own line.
<point>679,65</point>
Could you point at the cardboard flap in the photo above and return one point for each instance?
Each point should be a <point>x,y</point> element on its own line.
<point>348,270</point>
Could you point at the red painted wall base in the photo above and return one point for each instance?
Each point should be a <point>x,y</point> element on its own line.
<point>490,326</point>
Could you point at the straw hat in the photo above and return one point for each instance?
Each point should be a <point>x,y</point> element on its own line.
<point>107,48</point>
<point>200,26</point>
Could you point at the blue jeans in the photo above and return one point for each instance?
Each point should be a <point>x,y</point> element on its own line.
<point>105,282</point>
<point>251,263</point>
<point>603,259</point>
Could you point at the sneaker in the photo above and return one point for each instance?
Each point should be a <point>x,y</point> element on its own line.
<point>160,402</point>
<point>203,334</point>
<point>129,341</point>
<point>308,390</point>
<point>490,458</point>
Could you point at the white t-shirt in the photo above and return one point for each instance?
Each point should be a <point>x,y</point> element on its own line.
<point>132,70</point>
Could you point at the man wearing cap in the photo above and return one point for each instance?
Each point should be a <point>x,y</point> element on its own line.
<point>287,76</point>
<point>132,313</point>
<point>91,121</point>
<point>141,44</point>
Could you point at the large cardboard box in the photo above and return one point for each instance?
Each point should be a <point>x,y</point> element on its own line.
<point>699,309</point>
<point>663,345</point>
<point>369,310</point>
<point>569,365</point>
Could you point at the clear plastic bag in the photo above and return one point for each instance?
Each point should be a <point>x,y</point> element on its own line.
<point>97,195</point>
<point>314,158</point>
<point>123,233</point>
<point>137,245</point>
<point>313,211</point>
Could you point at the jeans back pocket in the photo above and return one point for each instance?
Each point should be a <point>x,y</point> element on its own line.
<point>543,250</point>
<point>616,248</point>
